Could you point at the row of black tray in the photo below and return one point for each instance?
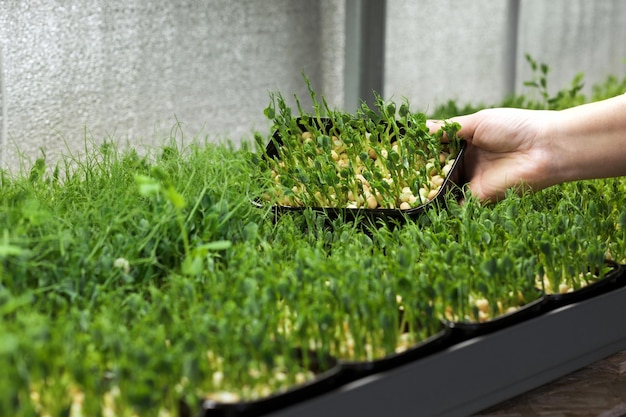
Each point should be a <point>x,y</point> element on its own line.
<point>333,374</point>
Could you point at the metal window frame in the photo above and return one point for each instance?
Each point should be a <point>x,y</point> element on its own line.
<point>365,51</point>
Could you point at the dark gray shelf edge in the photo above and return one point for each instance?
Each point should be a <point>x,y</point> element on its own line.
<point>485,371</point>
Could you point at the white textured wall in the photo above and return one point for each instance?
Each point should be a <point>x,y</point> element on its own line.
<point>452,49</point>
<point>572,36</point>
<point>446,49</point>
<point>129,68</point>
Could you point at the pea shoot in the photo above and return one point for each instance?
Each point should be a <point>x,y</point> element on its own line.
<point>374,159</point>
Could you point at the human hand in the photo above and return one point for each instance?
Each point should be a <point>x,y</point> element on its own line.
<point>534,149</point>
<point>505,149</point>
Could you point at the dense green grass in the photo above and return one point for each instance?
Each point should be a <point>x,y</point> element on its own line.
<point>128,282</point>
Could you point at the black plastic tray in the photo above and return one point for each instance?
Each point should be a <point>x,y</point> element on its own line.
<point>484,370</point>
<point>341,373</point>
<point>614,279</point>
<point>325,381</point>
<point>353,370</point>
<point>555,324</point>
<point>451,183</point>
<point>462,330</point>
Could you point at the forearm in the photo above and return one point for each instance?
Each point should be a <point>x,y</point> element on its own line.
<point>590,140</point>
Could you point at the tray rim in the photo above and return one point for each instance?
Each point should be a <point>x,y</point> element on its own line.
<point>535,352</point>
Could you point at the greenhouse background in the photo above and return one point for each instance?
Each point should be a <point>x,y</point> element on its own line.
<point>129,70</point>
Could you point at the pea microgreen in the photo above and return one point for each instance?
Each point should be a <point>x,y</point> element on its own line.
<point>133,282</point>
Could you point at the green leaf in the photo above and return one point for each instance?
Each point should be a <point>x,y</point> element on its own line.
<point>269,112</point>
<point>9,343</point>
<point>192,265</point>
<point>404,110</point>
<point>15,303</point>
<point>251,231</point>
<point>37,171</point>
<point>622,221</point>
<point>489,267</point>
<point>391,109</point>
<point>7,249</point>
<point>160,174</point>
<point>177,200</point>
<point>148,186</point>
<point>531,61</point>
<point>216,245</point>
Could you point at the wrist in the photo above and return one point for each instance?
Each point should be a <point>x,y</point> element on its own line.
<point>554,158</point>
<point>589,141</point>
<point>562,148</point>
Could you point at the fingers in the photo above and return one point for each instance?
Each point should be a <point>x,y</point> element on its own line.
<point>468,126</point>
<point>434,125</point>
